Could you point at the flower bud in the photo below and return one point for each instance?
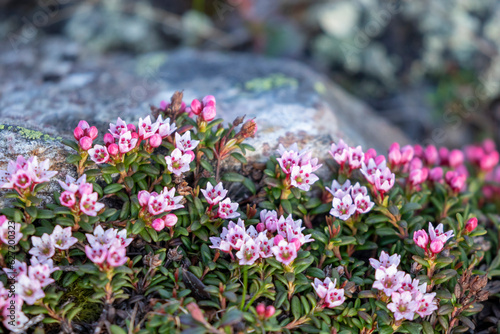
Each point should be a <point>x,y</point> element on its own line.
<point>489,145</point>
<point>436,174</point>
<point>158,224</point>
<point>155,140</point>
<point>394,155</point>
<point>190,153</point>
<point>270,310</point>
<point>260,227</point>
<point>113,149</point>
<point>248,129</point>
<point>85,143</point>
<point>261,309</point>
<point>164,105</point>
<point>455,158</point>
<point>297,243</point>
<point>143,197</point>
<point>108,139</point>
<point>92,132</point>
<point>83,125</point>
<point>170,220</point>
<point>78,133</point>
<point>131,128</point>
<point>379,159</point>
<point>370,154</point>
<point>431,155</point>
<point>489,161</point>
<point>208,113</point>
<point>443,156</point>
<point>421,238</point>
<point>436,246</point>
<point>418,151</point>
<point>417,176</point>
<point>406,154</point>
<point>277,239</point>
<point>196,107</point>
<point>209,100</point>
<point>135,135</point>
<point>471,224</point>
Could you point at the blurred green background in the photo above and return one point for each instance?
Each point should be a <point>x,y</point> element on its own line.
<point>431,67</point>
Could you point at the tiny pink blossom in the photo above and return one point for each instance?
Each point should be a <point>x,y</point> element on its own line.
<point>62,238</point>
<point>385,261</point>
<point>6,232</point>
<point>22,179</point>
<point>436,174</point>
<point>96,253</point>
<point>127,142</point>
<point>388,280</point>
<point>178,162</point>
<point>340,152</point>
<point>40,273</point>
<point>356,157</point>
<point>89,205</point>
<point>146,128</point>
<point>227,209</point>
<point>184,142</point>
<point>270,219</point>
<point>437,233</point>
<point>214,195</point>
<point>338,190</point>
<point>363,203</point>
<point>108,139</point>
<point>322,287</point>
<point>402,305</point>
<point>302,177</point>
<point>343,208</point>
<point>116,256</point>
<point>30,290</point>
<point>334,298</point>
<point>118,129</point>
<point>436,246</point>
<point>248,253</point>
<point>471,224</point>
<point>165,129</point>
<point>143,197</point>
<point>421,239</point>
<point>99,154</point>
<point>426,304</point>
<point>155,140</point>
<point>285,252</point>
<point>113,149</point>
<point>208,113</point>
<point>67,199</point>
<point>384,180</point>
<point>85,143</point>
<point>170,220</point>
<point>43,247</point>
<point>456,158</point>
<point>431,155</point>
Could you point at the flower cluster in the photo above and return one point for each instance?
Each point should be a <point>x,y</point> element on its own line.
<point>349,158</point>
<point>215,195</point>
<point>178,161</point>
<point>298,166</point>
<point>85,134</point>
<point>154,204</point>
<point>44,247</point>
<point>8,235</point>
<point>327,291</point>
<point>23,175</point>
<point>262,242</point>
<point>433,243</point>
<point>378,175</point>
<point>107,248</point>
<point>349,200</point>
<point>485,156</point>
<point>79,196</point>
<point>205,108</point>
<point>407,295</point>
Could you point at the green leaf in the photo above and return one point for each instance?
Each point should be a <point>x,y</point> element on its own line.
<point>149,169</point>
<point>70,143</point>
<point>73,159</point>
<point>138,226</point>
<point>208,153</point>
<point>109,170</point>
<point>117,330</point>
<point>45,214</point>
<point>113,188</point>
<point>296,308</point>
<point>206,165</point>
<point>232,177</point>
<point>231,317</point>
<point>287,206</point>
<point>250,185</point>
<point>239,157</point>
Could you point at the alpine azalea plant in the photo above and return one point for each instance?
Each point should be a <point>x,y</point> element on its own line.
<point>154,232</point>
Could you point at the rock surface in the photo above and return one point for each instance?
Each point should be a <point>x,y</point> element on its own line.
<point>51,85</point>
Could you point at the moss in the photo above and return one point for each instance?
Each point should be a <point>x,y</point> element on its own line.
<point>28,133</point>
<point>90,311</point>
<point>274,81</point>
<point>319,87</point>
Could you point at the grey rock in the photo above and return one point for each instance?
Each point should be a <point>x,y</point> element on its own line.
<point>290,102</point>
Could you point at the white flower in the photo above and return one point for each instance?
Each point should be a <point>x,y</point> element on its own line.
<point>214,195</point>
<point>184,142</point>
<point>62,238</point>
<point>146,128</point>
<point>343,208</point>
<point>178,162</point>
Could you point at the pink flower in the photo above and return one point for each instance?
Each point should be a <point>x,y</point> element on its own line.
<point>101,237</point>
<point>43,247</point>
<point>407,153</point>
<point>288,160</point>
<point>143,197</point>
<point>277,239</point>
<point>196,107</point>
<point>302,177</point>
<point>358,189</point>
<point>146,128</point>
<point>285,252</point>
<point>322,287</point>
<point>30,290</point>
<point>8,235</point>
<point>270,219</point>
<point>184,142</point>
<point>222,245</point>
<point>22,179</point>
<point>116,256</point>
<point>89,205</point>
<point>437,233</point>
<point>340,152</point>
<point>370,170</point>
<point>455,158</point>
<point>165,129</point>
<point>227,210</point>
<point>118,129</point>
<point>338,190</point>
<point>248,253</point>
<point>78,133</point>
<point>385,261</point>
<point>40,273</point>
<point>343,208</point>
<point>363,203</point>
<point>126,142</point>
<point>62,238</point>
<point>67,199</point>
<point>96,253</point>
<point>270,310</point>
<point>436,175</point>
<point>388,279</point>
<point>85,143</point>
<point>489,161</point>
<point>471,224</point>
<point>418,176</point>
<point>265,245</point>
<point>370,154</point>
<point>356,157</point>
<point>421,239</point>
<point>394,155</point>
<point>455,180</point>
<point>431,155</point>
<point>426,304</point>
<point>172,201</point>
<point>334,297</point>
<point>157,204</point>
<point>113,149</point>
<point>122,238</point>
<point>384,180</point>
<point>178,162</point>
<point>402,305</point>
<point>99,154</point>
<point>214,195</point>
<point>208,113</point>
<point>170,220</point>
<point>108,139</point>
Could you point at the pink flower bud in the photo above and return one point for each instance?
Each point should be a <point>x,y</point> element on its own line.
<point>489,161</point>
<point>158,224</point>
<point>455,180</point>
<point>108,139</point>
<point>261,309</point>
<point>370,154</point>
<point>379,159</point>
<point>489,145</point>
<point>92,132</point>
<point>270,310</point>
<point>297,243</point>
<point>191,154</point>
<point>113,149</point>
<point>417,176</point>
<point>394,155</point>
<point>416,163</point>
<point>277,239</point>
<point>78,133</point>
<point>421,238</point>
<point>155,140</point>
<point>471,224</point>
<point>260,227</point>
<point>85,143</point>
<point>170,220</point>
<point>196,107</point>
<point>143,197</point>
<point>443,156</point>
<point>436,246</point>
<point>406,154</point>
<point>455,158</point>
<point>431,155</point>
<point>418,151</point>
<point>67,199</point>
<point>164,105</point>
<point>83,125</point>
<point>131,127</point>
<point>134,135</point>
<point>208,113</point>
<point>209,100</point>
<point>436,174</point>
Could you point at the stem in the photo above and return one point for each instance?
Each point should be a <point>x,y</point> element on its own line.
<point>245,280</point>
